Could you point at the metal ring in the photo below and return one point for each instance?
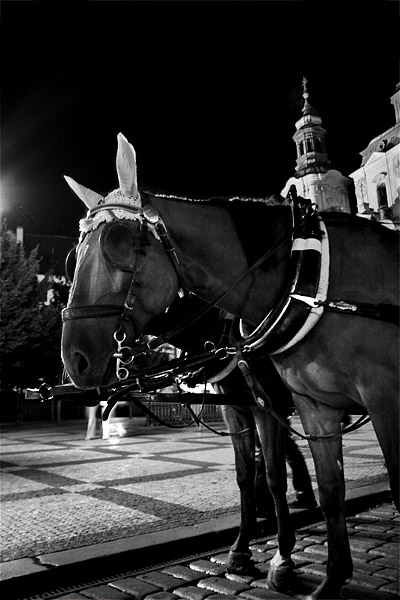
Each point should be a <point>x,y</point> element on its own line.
<point>126,362</point>
<point>116,338</point>
<point>122,373</point>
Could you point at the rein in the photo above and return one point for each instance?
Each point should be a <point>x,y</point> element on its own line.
<point>125,354</point>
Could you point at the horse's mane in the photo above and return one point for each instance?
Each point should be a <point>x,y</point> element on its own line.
<point>272,200</point>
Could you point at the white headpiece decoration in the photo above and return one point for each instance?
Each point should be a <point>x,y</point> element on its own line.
<point>91,199</point>
<point>127,193</point>
<point>126,168</point>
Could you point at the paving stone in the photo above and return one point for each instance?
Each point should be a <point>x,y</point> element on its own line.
<point>317,549</point>
<point>352,590</point>
<point>379,536</point>
<point>301,544</point>
<point>369,581</point>
<point>135,587</point>
<point>372,527</point>
<point>384,511</point>
<point>162,596</point>
<point>362,544</point>
<point>319,557</point>
<point>308,557</point>
<point>389,548</point>
<point>299,562</point>
<point>207,567</point>
<point>391,588</point>
<point>221,559</point>
<point>191,592</point>
<point>316,539</point>
<point>262,568</point>
<point>262,594</point>
<point>222,586</point>
<point>247,579</point>
<point>263,556</point>
<point>387,561</point>
<point>260,583</point>
<point>160,579</point>
<point>306,584</point>
<point>268,544</point>
<point>183,572</point>
<point>388,574</point>
<point>72,596</point>
<point>221,597</point>
<point>367,517</point>
<point>368,568</point>
<point>314,569</point>
<point>106,592</point>
<point>358,557</point>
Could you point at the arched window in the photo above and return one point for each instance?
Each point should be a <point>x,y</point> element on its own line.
<point>309,145</point>
<point>318,145</point>
<point>382,195</point>
<point>301,148</point>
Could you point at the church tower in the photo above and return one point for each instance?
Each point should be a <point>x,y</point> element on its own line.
<point>314,178</point>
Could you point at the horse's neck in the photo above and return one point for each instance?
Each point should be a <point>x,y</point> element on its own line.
<point>212,256</point>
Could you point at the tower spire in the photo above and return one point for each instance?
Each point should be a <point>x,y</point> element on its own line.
<point>310,139</point>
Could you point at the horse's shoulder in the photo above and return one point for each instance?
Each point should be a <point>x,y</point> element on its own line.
<point>352,223</point>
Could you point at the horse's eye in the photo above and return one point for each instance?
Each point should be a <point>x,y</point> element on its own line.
<point>70,264</point>
<point>116,243</point>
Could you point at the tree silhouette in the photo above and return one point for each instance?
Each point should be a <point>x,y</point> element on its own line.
<point>30,324</point>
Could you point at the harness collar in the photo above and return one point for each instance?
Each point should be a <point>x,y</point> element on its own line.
<point>300,307</point>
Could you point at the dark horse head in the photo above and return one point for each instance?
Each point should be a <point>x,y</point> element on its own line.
<point>118,262</point>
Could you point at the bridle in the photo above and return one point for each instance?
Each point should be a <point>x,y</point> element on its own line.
<point>147,217</point>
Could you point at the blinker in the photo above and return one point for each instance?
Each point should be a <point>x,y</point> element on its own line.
<point>70,264</point>
<point>117,243</point>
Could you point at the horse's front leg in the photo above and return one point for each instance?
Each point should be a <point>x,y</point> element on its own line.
<point>318,420</point>
<point>272,437</point>
<point>237,419</point>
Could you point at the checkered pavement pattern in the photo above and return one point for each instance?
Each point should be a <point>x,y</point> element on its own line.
<point>61,492</point>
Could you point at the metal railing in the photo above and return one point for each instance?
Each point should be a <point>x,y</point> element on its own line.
<point>177,414</point>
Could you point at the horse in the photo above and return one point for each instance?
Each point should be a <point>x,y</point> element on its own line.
<point>138,249</point>
<point>259,442</point>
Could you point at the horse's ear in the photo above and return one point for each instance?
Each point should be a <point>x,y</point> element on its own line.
<point>91,199</point>
<point>126,167</point>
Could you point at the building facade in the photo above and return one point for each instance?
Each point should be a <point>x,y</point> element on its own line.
<point>377,181</point>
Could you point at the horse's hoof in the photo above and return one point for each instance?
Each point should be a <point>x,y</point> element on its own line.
<point>281,577</point>
<point>240,563</point>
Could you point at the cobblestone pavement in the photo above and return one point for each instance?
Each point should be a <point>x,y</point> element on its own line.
<point>374,541</point>
<point>64,497</point>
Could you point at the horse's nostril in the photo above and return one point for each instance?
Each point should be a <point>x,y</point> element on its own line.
<point>82,363</point>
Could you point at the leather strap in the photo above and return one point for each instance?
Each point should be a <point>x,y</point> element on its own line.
<point>89,312</point>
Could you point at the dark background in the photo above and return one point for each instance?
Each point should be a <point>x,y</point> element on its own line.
<point>207,92</point>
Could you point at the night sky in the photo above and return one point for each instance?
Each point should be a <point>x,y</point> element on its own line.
<point>207,92</point>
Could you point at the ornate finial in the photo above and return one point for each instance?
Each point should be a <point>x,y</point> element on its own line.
<point>307,108</point>
<point>304,82</point>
